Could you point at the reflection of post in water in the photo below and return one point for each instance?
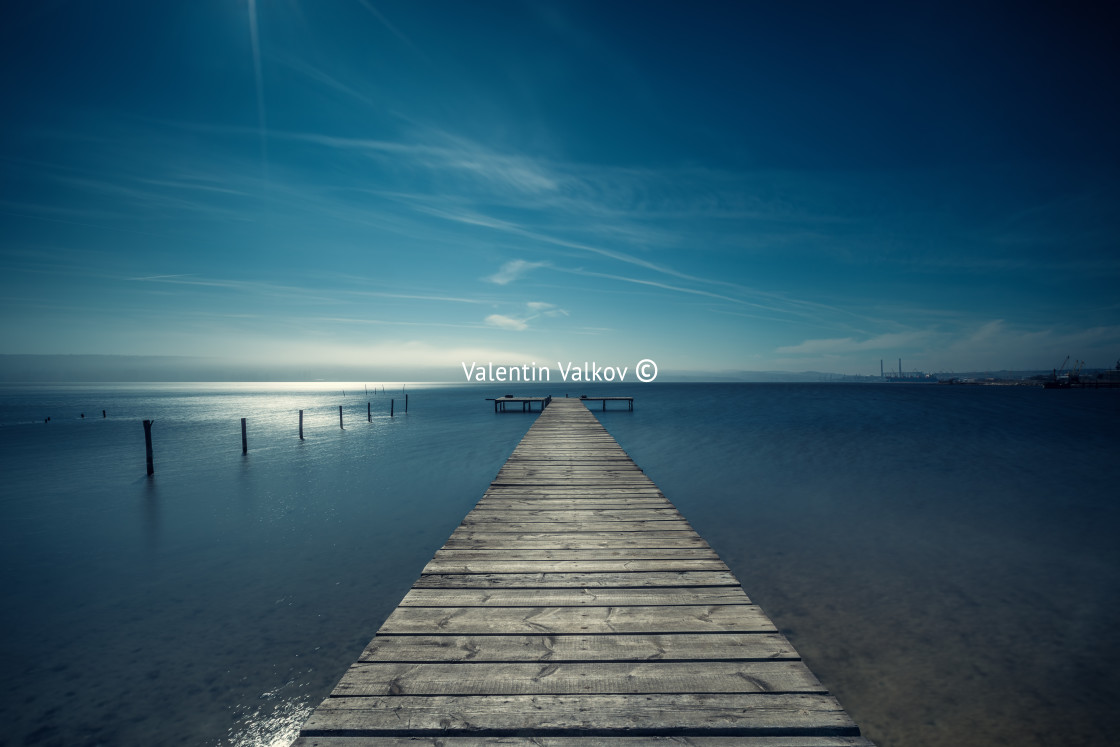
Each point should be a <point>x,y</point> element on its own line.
<point>151,513</point>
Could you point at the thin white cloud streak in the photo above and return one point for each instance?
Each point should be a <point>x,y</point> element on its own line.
<point>535,309</point>
<point>799,310</point>
<point>31,209</point>
<point>656,284</point>
<point>146,204</point>
<point>318,75</point>
<point>513,270</point>
<point>258,79</point>
<point>546,308</point>
<point>516,172</point>
<point>837,345</point>
<point>398,33</point>
<point>514,229</point>
<point>288,291</point>
<point>505,322</point>
<point>392,322</point>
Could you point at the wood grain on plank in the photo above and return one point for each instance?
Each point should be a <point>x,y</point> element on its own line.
<point>524,620</point>
<point>576,597</point>
<point>752,714</point>
<point>619,647</point>
<point>561,678</point>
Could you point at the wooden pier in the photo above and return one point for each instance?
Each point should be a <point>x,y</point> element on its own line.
<point>575,605</point>
<point>526,403</point>
<point>628,400</point>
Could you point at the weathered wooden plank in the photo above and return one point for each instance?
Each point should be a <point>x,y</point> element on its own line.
<point>522,528</point>
<point>453,555</point>
<point>596,503</point>
<point>440,565</point>
<point>586,497</point>
<point>699,714</point>
<point>464,537</point>
<point>556,475</point>
<point>579,580</point>
<point>514,543</point>
<point>595,455</point>
<point>701,595</point>
<point>695,647</point>
<point>368,679</point>
<point>572,515</point>
<point>563,504</point>
<point>583,741</point>
<point>573,493</point>
<point>577,620</point>
<point>611,535</point>
<point>596,467</point>
<point>602,481</point>
<point>561,491</point>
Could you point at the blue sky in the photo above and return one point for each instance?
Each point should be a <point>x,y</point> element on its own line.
<point>401,187</point>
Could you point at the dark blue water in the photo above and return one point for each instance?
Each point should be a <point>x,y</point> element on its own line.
<point>944,558</point>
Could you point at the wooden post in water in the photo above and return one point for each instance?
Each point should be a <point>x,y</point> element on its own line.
<point>406,404</point>
<point>148,445</point>
<point>390,408</point>
<point>340,417</point>
<point>301,425</point>
<point>369,412</point>
<point>244,438</point>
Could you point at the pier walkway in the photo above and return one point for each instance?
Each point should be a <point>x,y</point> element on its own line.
<point>526,403</point>
<point>575,605</point>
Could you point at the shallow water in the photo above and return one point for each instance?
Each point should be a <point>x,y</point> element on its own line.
<point>943,557</point>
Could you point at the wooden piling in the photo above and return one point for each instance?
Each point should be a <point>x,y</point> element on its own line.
<point>148,445</point>
<point>301,425</point>
<point>244,438</point>
<point>369,412</point>
<point>390,408</point>
<point>406,404</point>
<point>340,416</point>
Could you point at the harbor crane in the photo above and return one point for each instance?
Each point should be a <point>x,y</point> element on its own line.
<point>1059,369</point>
<point>1075,371</point>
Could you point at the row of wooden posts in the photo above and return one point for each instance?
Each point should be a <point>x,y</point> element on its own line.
<point>245,438</point>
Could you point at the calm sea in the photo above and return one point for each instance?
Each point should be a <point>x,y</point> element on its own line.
<point>945,558</point>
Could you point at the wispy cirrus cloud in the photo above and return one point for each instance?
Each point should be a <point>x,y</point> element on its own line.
<point>514,270</point>
<point>834,345</point>
<point>533,310</point>
<point>444,153</point>
<point>506,322</point>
